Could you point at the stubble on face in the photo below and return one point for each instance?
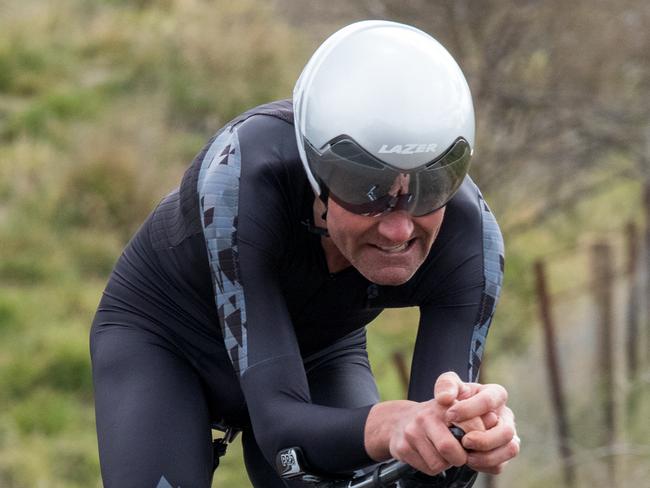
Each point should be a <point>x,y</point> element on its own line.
<point>388,249</point>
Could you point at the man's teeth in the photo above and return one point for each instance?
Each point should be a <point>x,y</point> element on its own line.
<point>398,248</point>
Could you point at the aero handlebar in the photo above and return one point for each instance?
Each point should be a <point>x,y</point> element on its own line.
<point>290,463</point>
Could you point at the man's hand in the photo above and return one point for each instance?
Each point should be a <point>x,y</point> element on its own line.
<point>418,433</point>
<point>415,433</point>
<point>490,448</point>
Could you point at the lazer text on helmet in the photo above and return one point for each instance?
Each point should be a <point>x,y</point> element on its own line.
<point>408,148</point>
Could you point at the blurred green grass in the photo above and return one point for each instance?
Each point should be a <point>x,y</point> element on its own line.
<point>102,106</point>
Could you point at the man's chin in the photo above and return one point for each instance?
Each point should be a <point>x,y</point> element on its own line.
<point>388,276</point>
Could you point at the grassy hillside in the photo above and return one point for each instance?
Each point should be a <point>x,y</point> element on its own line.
<point>103,103</point>
<point>102,106</point>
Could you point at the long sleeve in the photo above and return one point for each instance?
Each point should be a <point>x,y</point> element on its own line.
<point>462,294</point>
<point>248,218</point>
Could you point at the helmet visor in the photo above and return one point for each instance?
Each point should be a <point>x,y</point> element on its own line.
<point>365,185</point>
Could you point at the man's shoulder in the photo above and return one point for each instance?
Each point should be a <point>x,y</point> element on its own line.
<point>266,129</point>
<point>261,141</point>
<point>266,135</point>
<point>463,231</point>
<point>465,208</point>
<point>281,110</point>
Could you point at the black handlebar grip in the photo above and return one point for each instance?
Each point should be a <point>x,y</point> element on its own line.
<point>457,432</point>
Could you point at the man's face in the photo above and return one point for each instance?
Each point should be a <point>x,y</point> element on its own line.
<point>387,249</point>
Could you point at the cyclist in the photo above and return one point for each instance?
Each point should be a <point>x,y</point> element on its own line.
<point>243,298</point>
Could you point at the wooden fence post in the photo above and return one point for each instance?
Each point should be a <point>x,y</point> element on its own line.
<point>555,378</point>
<point>402,371</point>
<point>603,281</point>
<point>632,337</point>
<point>646,291</point>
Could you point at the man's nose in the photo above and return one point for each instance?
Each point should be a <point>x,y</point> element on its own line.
<point>396,226</point>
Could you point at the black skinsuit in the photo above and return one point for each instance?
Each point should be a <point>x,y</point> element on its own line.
<point>222,308</point>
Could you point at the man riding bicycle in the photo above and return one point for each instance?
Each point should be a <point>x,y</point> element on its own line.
<point>243,299</point>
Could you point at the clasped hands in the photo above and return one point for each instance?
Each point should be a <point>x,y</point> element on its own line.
<point>490,441</point>
<point>418,433</point>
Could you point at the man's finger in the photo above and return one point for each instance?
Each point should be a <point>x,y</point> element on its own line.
<point>468,390</point>
<point>447,388</point>
<point>471,425</point>
<point>430,456</point>
<point>498,469</point>
<point>445,443</point>
<point>493,438</point>
<point>481,461</point>
<point>490,398</point>
<point>411,453</point>
<point>490,419</point>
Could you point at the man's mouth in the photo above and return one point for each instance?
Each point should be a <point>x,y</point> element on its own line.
<point>395,249</point>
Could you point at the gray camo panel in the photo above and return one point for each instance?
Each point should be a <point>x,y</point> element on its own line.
<point>218,189</point>
<point>493,263</point>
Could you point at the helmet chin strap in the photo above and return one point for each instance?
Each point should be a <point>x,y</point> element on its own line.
<point>324,196</point>
<point>309,223</point>
<point>321,231</point>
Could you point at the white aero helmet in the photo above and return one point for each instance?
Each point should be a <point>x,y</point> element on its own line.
<point>384,120</point>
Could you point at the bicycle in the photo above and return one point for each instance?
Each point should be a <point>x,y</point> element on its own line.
<point>290,464</point>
